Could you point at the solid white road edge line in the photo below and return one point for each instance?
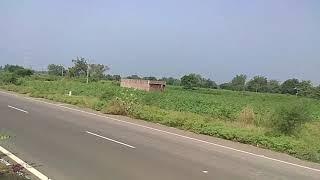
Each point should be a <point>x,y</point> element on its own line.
<point>112,140</point>
<point>18,109</point>
<point>174,134</point>
<point>23,164</point>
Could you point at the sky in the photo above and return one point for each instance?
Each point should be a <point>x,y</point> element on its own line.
<point>218,39</point>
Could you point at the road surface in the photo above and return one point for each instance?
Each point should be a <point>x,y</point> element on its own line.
<point>66,144</point>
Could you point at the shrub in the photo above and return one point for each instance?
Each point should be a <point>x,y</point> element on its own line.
<point>116,106</point>
<point>288,119</point>
<point>24,72</point>
<point>8,78</point>
<point>247,116</point>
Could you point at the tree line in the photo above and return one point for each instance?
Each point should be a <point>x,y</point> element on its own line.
<point>242,83</point>
<point>95,72</point>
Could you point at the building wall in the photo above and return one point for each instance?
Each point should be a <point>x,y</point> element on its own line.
<point>145,85</point>
<point>135,83</point>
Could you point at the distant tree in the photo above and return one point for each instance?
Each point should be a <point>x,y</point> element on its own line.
<point>171,81</point>
<point>151,78</point>
<point>116,77</point>
<point>317,92</point>
<point>305,88</point>
<point>18,70</point>
<point>24,72</point>
<point>225,86</point>
<point>133,77</point>
<point>12,68</point>
<point>208,83</point>
<point>189,81</point>
<point>273,86</point>
<point>258,84</point>
<point>1,68</point>
<point>79,68</point>
<point>290,86</point>
<point>56,70</point>
<point>96,71</point>
<point>238,82</point>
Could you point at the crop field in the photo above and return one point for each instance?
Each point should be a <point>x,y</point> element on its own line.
<point>245,117</point>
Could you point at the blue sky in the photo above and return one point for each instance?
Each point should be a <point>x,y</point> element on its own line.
<point>218,39</point>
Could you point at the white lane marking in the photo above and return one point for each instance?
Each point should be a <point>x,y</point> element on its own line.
<point>23,164</point>
<point>112,140</point>
<point>18,109</point>
<point>174,134</point>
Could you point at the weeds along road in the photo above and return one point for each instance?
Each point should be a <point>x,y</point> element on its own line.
<point>67,143</point>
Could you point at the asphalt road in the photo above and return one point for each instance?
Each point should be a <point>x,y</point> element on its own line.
<point>65,144</point>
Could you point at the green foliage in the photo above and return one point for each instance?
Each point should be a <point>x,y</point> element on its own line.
<point>189,81</point>
<point>96,71</point>
<point>238,82</point>
<point>18,70</point>
<point>273,86</point>
<point>288,119</point>
<point>12,68</point>
<point>238,116</point>
<point>258,84</point>
<point>8,78</point>
<point>56,70</point>
<point>79,68</point>
<point>171,81</point>
<point>290,86</point>
<point>133,77</point>
<point>151,78</point>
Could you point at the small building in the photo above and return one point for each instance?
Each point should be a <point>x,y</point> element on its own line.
<point>146,85</point>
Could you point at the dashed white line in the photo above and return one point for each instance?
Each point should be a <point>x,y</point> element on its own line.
<point>174,134</point>
<point>18,109</point>
<point>112,140</point>
<point>23,164</point>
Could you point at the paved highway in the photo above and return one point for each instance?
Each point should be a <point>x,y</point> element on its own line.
<point>65,143</point>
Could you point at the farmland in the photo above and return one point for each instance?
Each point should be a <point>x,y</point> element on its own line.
<point>238,116</point>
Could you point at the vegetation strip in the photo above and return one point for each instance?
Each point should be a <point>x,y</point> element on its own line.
<point>283,123</point>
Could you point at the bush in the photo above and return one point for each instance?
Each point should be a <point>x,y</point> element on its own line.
<point>24,72</point>
<point>247,116</point>
<point>8,78</point>
<point>117,107</point>
<point>288,119</point>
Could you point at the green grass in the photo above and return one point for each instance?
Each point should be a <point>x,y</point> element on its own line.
<point>238,116</point>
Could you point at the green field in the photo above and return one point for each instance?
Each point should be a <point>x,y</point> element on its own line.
<point>238,116</point>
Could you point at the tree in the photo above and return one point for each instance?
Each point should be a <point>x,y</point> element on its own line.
<point>56,70</point>
<point>96,71</point>
<point>258,84</point>
<point>290,86</point>
<point>238,83</point>
<point>171,81</point>
<point>133,77</point>
<point>151,78</point>
<point>24,72</point>
<point>208,83</point>
<point>18,70</point>
<point>189,81</point>
<point>317,92</point>
<point>305,88</point>
<point>225,86</point>
<point>12,68</point>
<point>80,67</point>
<point>273,86</point>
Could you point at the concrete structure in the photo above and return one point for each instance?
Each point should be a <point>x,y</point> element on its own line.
<point>146,85</point>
